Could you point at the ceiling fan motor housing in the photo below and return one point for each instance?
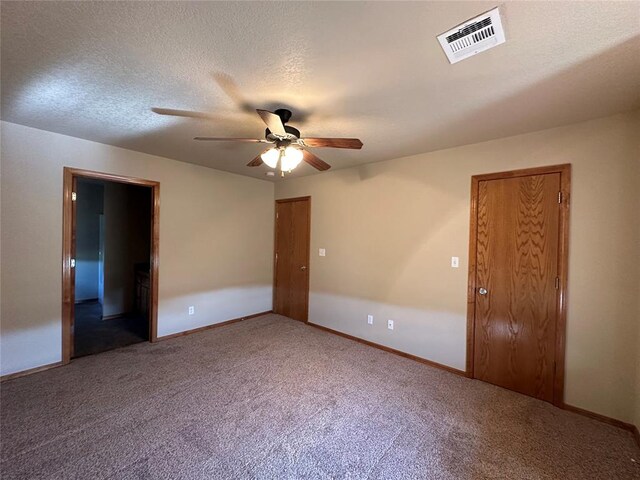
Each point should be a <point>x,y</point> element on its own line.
<point>285,116</point>
<point>290,130</point>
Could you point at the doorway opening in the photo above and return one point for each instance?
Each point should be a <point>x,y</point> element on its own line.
<point>518,263</point>
<point>291,258</point>
<point>110,262</point>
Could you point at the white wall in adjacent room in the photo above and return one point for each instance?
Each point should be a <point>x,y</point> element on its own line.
<point>89,207</point>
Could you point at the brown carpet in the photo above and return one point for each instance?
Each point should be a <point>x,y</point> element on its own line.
<point>274,398</point>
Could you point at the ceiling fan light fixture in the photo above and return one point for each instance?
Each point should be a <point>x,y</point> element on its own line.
<point>290,159</point>
<point>270,157</point>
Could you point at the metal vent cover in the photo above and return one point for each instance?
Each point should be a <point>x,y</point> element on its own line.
<point>473,36</point>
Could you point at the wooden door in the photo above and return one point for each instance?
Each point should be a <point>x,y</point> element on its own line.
<point>518,270</point>
<point>292,235</point>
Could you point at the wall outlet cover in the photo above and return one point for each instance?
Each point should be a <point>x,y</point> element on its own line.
<point>322,252</point>
<point>390,324</point>
<point>192,310</point>
<point>370,319</point>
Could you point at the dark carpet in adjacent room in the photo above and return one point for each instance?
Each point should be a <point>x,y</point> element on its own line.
<point>93,334</point>
<point>274,398</point>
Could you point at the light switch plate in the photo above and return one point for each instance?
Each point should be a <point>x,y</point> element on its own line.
<point>322,252</point>
<point>370,319</point>
<point>455,262</point>
<point>390,324</point>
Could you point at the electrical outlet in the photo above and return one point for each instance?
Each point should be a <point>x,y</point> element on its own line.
<point>390,324</point>
<point>455,262</point>
<point>370,319</point>
<point>192,310</point>
<point>322,252</point>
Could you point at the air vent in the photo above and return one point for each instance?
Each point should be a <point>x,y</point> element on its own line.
<point>473,36</point>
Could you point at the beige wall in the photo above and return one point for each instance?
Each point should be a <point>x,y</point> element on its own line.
<point>216,240</point>
<point>390,229</point>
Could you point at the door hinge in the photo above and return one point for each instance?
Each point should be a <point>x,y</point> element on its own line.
<point>557,283</point>
<point>74,196</point>
<point>73,263</point>
<point>559,197</point>
<point>276,258</point>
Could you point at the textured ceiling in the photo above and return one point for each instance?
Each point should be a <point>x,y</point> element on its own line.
<point>373,70</point>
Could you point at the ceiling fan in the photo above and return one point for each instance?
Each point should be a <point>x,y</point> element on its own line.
<point>288,148</point>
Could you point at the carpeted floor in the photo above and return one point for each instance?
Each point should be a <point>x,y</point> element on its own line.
<point>273,398</point>
<point>93,335</point>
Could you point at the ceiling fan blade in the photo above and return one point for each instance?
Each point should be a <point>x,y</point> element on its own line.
<point>185,113</point>
<point>273,121</point>
<point>352,143</point>
<point>219,139</point>
<point>228,86</point>
<point>314,161</point>
<point>256,162</point>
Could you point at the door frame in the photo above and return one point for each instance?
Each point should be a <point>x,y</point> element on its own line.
<point>563,266</point>
<point>68,250</point>
<point>275,249</point>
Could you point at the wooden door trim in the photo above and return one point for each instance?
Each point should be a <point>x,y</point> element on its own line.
<point>294,199</point>
<point>68,288</point>
<point>563,267</point>
<point>275,249</point>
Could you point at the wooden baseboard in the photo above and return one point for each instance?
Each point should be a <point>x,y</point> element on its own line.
<point>31,371</point>
<point>431,363</point>
<point>599,417</point>
<point>209,327</point>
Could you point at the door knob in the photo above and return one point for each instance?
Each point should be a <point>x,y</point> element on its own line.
<point>482,291</point>
<point>303,267</point>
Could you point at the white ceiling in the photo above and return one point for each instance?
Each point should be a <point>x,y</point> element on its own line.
<point>372,70</point>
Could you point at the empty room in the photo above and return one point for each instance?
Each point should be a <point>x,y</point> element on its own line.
<point>320,240</point>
